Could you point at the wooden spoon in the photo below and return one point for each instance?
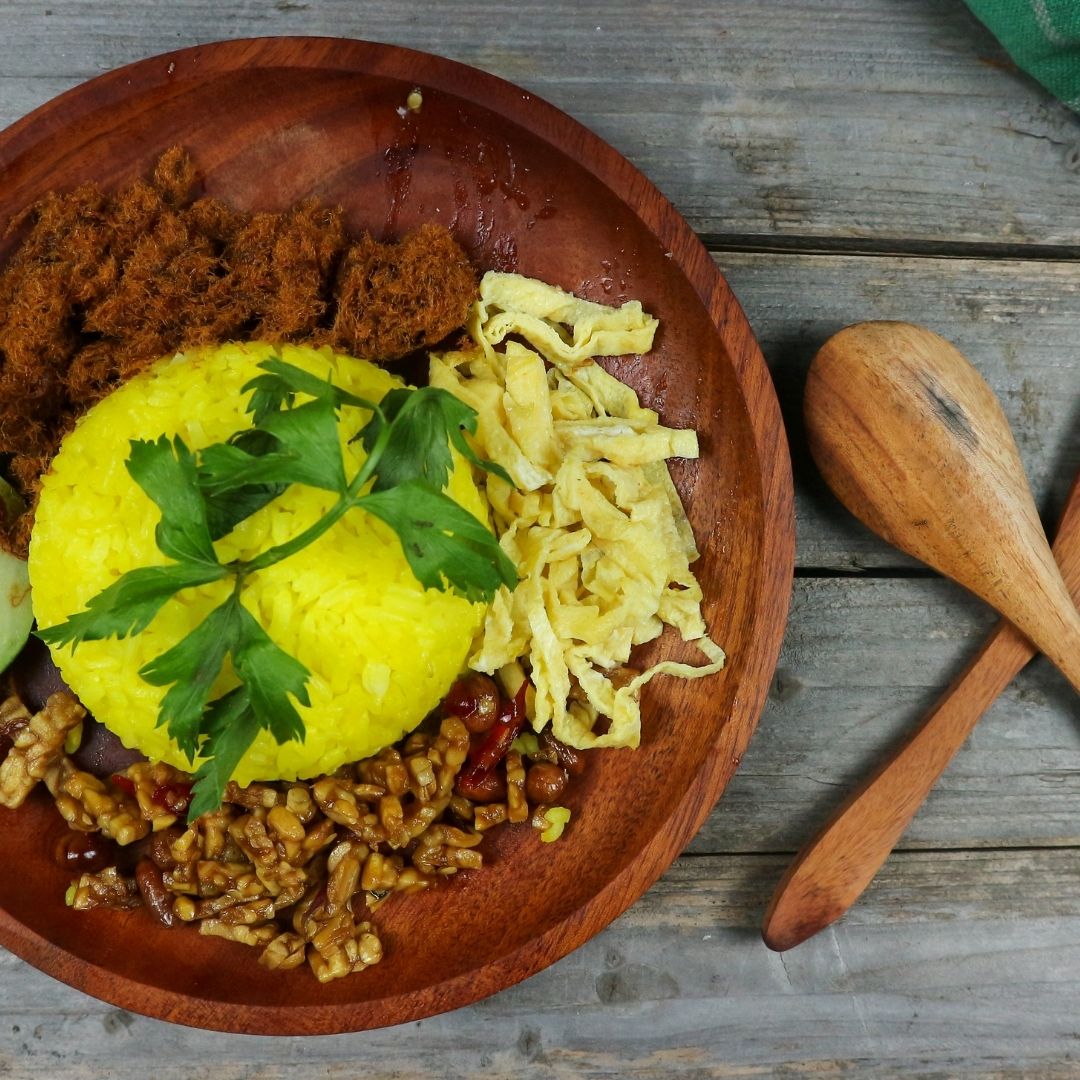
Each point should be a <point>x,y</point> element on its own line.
<point>831,872</point>
<point>915,444</point>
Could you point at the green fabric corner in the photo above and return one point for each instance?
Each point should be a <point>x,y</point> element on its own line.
<point>1042,37</point>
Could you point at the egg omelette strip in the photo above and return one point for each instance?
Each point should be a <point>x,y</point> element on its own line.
<point>593,521</point>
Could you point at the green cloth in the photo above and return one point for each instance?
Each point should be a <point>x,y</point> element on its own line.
<point>1042,36</point>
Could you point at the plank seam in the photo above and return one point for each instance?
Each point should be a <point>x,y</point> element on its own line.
<point>886,248</point>
<point>996,849</point>
<point>876,572</point>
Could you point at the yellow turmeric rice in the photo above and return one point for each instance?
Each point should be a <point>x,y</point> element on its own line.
<point>382,650</point>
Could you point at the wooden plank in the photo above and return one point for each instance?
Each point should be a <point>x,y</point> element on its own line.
<point>956,964</point>
<point>1015,320</point>
<point>830,118</point>
<point>862,660</point>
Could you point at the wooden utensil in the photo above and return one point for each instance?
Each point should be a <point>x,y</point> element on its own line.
<point>914,443</point>
<point>833,869</point>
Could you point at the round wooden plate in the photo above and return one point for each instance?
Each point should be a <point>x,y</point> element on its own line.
<point>525,188</point>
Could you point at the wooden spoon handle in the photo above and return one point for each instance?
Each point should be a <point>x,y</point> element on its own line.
<point>831,872</point>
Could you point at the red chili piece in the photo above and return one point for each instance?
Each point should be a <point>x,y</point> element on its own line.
<point>174,797</point>
<point>488,753</point>
<point>124,783</point>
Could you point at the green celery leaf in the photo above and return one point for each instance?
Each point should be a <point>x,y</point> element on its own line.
<point>443,542</point>
<point>283,381</point>
<point>270,675</point>
<point>191,666</point>
<point>306,451</point>
<point>423,425</point>
<point>268,394</point>
<point>226,509</point>
<point>418,446</point>
<point>457,437</point>
<point>225,468</point>
<point>230,726</point>
<point>254,441</point>
<point>166,472</point>
<point>309,435</point>
<point>127,606</point>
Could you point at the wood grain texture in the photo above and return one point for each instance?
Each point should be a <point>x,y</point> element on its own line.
<point>1016,321</point>
<point>863,659</point>
<point>959,965</point>
<point>827,118</point>
<point>831,871</point>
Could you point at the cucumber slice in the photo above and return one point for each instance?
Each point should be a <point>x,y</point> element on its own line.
<point>16,613</point>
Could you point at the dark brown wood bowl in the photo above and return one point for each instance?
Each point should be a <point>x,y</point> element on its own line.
<point>524,188</point>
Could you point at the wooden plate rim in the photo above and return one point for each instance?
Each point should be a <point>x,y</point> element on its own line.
<point>629,185</point>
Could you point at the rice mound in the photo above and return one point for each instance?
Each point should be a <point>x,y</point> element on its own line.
<point>382,651</point>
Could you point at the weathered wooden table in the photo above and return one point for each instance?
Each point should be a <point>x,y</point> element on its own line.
<point>844,159</point>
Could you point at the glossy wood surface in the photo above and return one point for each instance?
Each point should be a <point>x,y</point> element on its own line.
<point>523,187</point>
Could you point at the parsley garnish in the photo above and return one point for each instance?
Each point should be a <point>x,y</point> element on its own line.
<point>202,496</point>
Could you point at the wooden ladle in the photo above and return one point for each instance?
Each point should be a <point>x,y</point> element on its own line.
<point>915,444</point>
